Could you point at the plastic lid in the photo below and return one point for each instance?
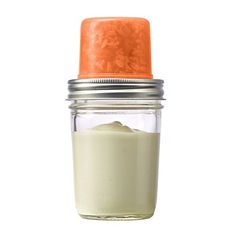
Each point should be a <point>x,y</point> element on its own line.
<point>115,47</point>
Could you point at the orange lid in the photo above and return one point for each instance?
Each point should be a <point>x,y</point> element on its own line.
<point>115,47</point>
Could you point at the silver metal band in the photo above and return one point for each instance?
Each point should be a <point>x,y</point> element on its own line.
<point>115,89</point>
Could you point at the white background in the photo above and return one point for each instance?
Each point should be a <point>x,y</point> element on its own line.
<point>193,50</point>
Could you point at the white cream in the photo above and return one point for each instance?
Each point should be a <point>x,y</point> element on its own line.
<point>115,170</point>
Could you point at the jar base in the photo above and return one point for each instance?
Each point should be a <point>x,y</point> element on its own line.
<point>117,217</point>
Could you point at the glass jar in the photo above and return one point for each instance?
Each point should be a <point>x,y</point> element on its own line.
<point>116,137</point>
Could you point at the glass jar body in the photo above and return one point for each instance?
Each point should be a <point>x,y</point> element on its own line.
<point>116,153</point>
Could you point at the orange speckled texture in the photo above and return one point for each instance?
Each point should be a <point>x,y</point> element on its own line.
<point>115,47</point>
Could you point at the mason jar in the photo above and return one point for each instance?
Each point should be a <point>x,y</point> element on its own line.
<point>116,139</point>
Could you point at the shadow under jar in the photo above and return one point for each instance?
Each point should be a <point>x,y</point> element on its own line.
<point>116,137</point>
